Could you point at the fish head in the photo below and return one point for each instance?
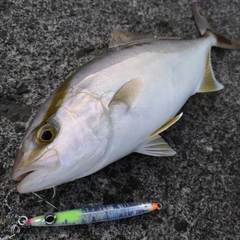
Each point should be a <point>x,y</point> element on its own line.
<point>68,145</point>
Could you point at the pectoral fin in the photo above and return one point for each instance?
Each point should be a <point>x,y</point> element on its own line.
<point>166,125</point>
<point>128,93</point>
<point>155,146</point>
<point>209,83</point>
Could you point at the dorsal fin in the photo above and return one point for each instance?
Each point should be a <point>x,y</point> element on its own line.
<point>121,38</point>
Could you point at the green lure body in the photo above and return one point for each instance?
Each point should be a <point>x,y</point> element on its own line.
<point>93,214</point>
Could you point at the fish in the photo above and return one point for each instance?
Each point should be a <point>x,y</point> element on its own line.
<point>117,104</point>
<point>92,214</point>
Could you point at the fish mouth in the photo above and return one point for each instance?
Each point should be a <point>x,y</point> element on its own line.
<point>33,177</point>
<point>46,160</point>
<point>31,181</point>
<point>18,176</point>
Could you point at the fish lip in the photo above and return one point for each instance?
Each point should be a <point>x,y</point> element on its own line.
<point>19,176</point>
<point>30,178</point>
<point>37,176</point>
<point>19,173</point>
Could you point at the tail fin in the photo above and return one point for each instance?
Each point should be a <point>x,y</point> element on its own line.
<point>204,27</point>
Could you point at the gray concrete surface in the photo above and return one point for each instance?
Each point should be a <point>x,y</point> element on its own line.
<point>42,42</point>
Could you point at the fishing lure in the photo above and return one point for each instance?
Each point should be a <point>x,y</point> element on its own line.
<point>85,215</point>
<point>93,214</point>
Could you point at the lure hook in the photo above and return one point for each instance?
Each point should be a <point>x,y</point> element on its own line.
<point>54,192</point>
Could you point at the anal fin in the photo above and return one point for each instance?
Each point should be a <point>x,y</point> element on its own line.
<point>209,83</point>
<point>155,146</point>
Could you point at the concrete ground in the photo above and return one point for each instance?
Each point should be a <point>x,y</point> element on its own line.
<point>42,42</point>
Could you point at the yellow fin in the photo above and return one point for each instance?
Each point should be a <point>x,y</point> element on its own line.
<point>128,93</point>
<point>155,146</point>
<point>166,125</point>
<point>209,83</point>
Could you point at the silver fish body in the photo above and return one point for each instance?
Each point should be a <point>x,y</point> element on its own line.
<point>115,105</point>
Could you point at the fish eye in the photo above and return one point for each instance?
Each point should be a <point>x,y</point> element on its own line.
<point>50,219</point>
<point>45,134</point>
